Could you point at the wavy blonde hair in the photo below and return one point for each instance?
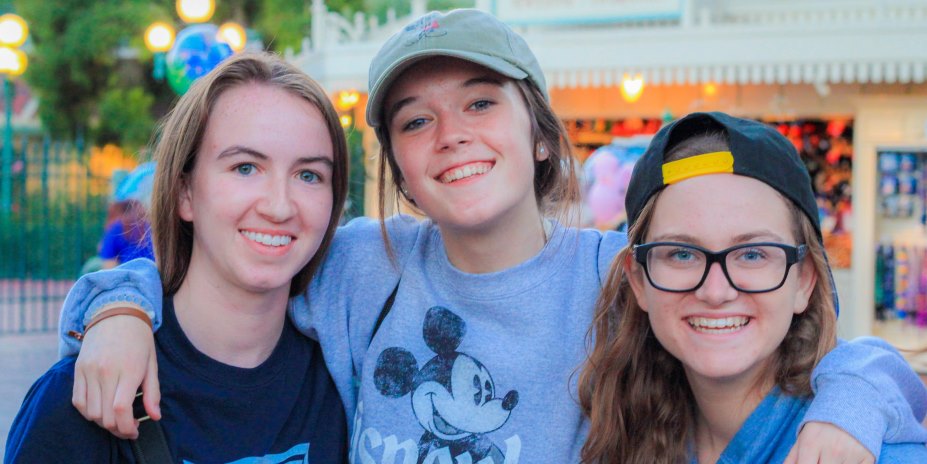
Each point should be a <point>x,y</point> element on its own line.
<point>635,393</point>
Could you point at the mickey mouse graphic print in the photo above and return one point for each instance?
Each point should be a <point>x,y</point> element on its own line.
<point>472,368</point>
<point>452,394</point>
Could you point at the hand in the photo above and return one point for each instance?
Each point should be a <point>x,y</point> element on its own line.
<point>115,358</point>
<point>823,443</point>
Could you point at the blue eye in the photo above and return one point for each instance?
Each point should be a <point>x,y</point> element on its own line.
<point>481,105</point>
<point>309,177</point>
<point>245,169</point>
<point>682,254</point>
<point>413,124</point>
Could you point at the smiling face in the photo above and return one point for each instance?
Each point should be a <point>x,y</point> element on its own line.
<point>260,193</point>
<point>462,138</point>
<point>718,333</point>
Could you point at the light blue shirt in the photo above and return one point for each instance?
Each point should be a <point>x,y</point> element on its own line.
<point>770,431</point>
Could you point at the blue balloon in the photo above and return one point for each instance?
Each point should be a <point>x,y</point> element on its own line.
<point>196,52</point>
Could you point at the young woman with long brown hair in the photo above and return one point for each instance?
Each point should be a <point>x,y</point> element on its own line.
<point>713,317</point>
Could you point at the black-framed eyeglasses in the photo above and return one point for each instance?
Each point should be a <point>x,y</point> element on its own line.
<point>749,267</point>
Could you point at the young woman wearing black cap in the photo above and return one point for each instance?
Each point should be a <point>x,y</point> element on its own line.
<point>725,302</point>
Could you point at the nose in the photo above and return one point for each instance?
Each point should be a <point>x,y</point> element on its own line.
<point>452,131</point>
<point>276,203</point>
<point>510,400</point>
<point>716,289</point>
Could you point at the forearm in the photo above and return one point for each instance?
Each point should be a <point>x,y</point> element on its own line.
<point>136,283</point>
<point>866,388</point>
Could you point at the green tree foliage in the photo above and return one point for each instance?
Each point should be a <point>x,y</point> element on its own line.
<point>74,54</point>
<point>124,118</point>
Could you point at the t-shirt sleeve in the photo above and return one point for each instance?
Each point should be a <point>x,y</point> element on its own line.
<point>49,429</point>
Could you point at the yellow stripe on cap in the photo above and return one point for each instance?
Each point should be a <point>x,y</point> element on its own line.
<point>709,163</point>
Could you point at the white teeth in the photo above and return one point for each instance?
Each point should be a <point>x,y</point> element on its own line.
<point>718,325</point>
<point>266,239</point>
<point>465,171</point>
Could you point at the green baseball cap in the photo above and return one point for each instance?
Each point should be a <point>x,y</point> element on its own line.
<point>469,34</point>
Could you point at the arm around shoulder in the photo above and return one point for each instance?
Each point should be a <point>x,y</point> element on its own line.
<point>866,388</point>
<point>49,429</point>
<point>135,283</point>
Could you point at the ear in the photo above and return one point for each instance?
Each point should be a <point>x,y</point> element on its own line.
<point>185,202</point>
<point>540,154</point>
<point>807,279</point>
<point>394,375</point>
<point>635,275</point>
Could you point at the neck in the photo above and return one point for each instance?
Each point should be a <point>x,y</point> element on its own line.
<point>496,247</point>
<point>723,407</point>
<point>230,325</point>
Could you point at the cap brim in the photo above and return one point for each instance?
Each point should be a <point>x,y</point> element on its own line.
<point>378,89</point>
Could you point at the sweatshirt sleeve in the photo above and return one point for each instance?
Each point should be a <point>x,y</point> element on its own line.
<point>136,282</point>
<point>611,243</point>
<point>866,388</point>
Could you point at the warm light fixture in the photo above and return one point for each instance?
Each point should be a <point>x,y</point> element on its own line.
<point>13,30</point>
<point>632,87</point>
<point>195,11</point>
<point>13,61</point>
<point>347,99</point>
<point>234,35</point>
<point>346,120</point>
<point>159,37</point>
<point>710,89</point>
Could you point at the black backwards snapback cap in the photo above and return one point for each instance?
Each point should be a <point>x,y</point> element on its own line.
<point>756,150</point>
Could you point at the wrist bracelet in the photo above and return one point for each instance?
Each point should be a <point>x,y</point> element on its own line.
<point>110,312</point>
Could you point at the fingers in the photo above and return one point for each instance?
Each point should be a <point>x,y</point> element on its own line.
<point>823,443</point>
<point>79,394</point>
<point>125,424</point>
<point>107,392</point>
<point>152,389</point>
<point>115,357</point>
<point>94,410</point>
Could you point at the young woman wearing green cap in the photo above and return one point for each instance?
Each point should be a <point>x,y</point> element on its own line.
<point>453,339</point>
<point>725,303</point>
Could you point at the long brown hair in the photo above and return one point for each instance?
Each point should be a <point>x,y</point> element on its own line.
<point>556,185</point>
<point>181,134</point>
<point>635,393</point>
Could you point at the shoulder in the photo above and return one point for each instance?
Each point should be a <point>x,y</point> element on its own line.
<point>47,424</point>
<point>359,246</point>
<point>51,393</point>
<point>605,245</point>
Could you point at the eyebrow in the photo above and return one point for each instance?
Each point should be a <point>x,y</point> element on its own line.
<point>479,80</point>
<point>742,238</point>
<point>241,149</point>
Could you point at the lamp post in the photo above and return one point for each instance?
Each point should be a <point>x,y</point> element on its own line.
<point>162,41</point>
<point>13,62</point>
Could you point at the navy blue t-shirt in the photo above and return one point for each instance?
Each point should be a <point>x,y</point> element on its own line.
<point>277,412</point>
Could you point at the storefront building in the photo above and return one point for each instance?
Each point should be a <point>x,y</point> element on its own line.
<point>845,80</point>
